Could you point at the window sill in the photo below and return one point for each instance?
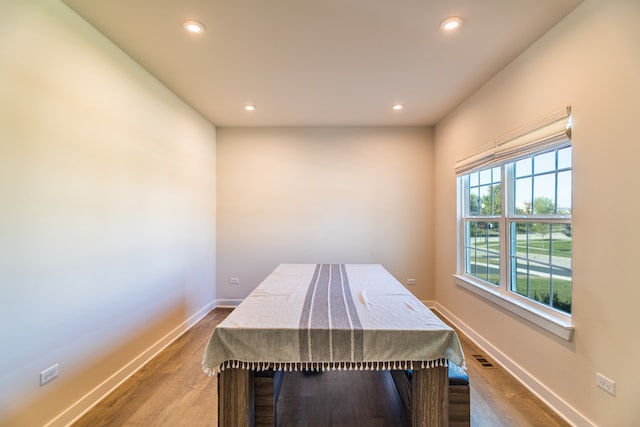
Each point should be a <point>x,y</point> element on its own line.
<point>546,321</point>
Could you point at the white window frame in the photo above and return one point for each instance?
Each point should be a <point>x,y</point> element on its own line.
<point>542,137</point>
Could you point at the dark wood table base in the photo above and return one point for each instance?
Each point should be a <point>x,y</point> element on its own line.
<point>429,390</point>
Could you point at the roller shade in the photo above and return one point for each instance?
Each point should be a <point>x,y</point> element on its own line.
<point>552,131</point>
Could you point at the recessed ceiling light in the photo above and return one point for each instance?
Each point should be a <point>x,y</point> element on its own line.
<point>250,107</point>
<point>451,24</point>
<point>398,107</point>
<point>194,27</point>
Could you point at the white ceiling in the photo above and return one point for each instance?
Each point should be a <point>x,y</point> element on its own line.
<point>323,62</point>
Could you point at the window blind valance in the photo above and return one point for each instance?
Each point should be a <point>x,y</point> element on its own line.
<point>549,132</point>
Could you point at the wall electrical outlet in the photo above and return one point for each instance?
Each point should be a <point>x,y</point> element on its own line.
<point>234,280</point>
<point>606,384</point>
<point>49,374</point>
<point>411,281</point>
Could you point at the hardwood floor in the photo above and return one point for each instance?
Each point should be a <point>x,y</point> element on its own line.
<point>499,400</point>
<point>172,390</point>
<point>340,399</point>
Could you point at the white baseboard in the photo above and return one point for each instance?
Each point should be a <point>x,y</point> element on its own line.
<point>89,400</point>
<point>562,408</point>
<point>429,303</point>
<point>228,303</point>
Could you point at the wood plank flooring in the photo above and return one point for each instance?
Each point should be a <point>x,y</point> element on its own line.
<point>171,390</point>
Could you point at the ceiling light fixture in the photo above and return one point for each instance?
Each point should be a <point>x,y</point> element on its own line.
<point>398,107</point>
<point>193,27</point>
<point>451,24</point>
<point>250,107</point>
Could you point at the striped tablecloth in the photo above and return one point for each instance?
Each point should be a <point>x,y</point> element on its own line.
<point>331,316</point>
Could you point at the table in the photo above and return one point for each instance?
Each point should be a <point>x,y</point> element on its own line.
<point>331,317</point>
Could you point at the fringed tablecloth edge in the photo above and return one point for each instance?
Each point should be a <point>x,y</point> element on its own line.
<point>326,366</point>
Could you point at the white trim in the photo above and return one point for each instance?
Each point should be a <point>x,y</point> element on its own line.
<point>556,325</point>
<point>93,397</point>
<point>555,402</point>
<point>429,303</point>
<point>228,303</point>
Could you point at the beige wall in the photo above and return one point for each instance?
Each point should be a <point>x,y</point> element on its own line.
<point>341,195</point>
<point>591,60</point>
<point>108,208</point>
<point>107,211</point>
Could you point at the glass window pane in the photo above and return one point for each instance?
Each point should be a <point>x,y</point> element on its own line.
<point>493,269</point>
<point>523,200</point>
<point>471,266</point>
<point>483,250</point>
<point>485,200</point>
<point>561,244</point>
<point>490,197</point>
<point>484,190</point>
<point>496,174</point>
<point>496,205</point>
<point>523,167</point>
<point>493,234</point>
<point>564,193</point>
<point>474,179</point>
<point>540,242</point>
<point>519,244</point>
<point>541,254</point>
<point>564,158</point>
<point>485,176</point>
<point>521,285</point>
<point>539,282</point>
<point>474,201</point>
<point>561,294</point>
<point>544,194</point>
<point>544,162</point>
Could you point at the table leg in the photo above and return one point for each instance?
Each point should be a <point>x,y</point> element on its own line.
<point>235,398</point>
<point>430,397</point>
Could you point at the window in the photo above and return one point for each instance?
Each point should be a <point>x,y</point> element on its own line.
<point>515,227</point>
